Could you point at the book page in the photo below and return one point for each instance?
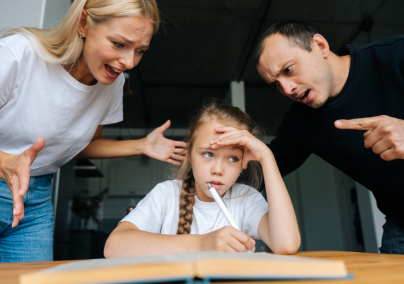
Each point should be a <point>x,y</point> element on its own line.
<point>111,262</point>
<point>195,256</point>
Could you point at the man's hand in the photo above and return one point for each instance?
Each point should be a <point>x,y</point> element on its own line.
<point>385,134</point>
<point>158,147</point>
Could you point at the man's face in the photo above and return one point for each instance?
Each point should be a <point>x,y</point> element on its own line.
<point>301,75</point>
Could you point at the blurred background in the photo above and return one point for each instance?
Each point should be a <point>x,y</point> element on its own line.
<point>203,49</point>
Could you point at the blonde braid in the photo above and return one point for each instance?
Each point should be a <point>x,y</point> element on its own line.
<point>187,201</point>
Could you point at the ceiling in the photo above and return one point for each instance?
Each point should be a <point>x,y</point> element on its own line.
<point>203,45</point>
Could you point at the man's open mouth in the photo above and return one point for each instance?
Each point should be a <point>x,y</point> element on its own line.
<point>305,95</point>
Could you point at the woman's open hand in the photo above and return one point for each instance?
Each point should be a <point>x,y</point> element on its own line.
<point>15,170</point>
<point>254,149</point>
<point>227,239</point>
<point>160,148</point>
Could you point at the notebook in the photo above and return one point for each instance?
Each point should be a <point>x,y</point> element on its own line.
<point>190,267</point>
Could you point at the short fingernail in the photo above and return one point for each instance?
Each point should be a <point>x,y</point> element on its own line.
<point>253,249</point>
<point>338,123</point>
<point>19,192</point>
<point>14,211</point>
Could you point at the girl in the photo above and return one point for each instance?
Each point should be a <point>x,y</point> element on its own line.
<point>182,215</point>
<point>63,85</point>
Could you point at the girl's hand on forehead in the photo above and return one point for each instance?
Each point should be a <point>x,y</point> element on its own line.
<point>254,149</point>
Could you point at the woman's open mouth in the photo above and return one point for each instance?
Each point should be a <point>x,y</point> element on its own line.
<point>111,71</point>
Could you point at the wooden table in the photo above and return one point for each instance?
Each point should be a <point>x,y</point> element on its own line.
<point>368,268</point>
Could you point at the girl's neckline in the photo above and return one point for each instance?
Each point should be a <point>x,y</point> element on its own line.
<point>210,205</point>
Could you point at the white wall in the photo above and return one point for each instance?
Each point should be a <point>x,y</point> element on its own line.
<point>372,219</point>
<point>32,13</point>
<point>27,13</point>
<point>321,198</point>
<point>54,11</point>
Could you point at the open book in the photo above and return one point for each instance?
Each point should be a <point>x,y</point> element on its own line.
<point>189,266</point>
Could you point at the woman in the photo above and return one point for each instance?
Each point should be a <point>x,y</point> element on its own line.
<point>62,85</point>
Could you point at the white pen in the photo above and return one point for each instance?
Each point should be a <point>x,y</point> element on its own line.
<point>223,207</point>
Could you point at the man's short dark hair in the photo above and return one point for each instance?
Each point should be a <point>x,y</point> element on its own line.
<point>298,33</point>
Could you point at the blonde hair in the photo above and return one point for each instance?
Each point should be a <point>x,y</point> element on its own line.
<point>212,110</point>
<point>61,44</point>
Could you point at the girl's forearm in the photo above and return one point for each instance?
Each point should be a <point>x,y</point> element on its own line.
<point>284,233</point>
<point>105,149</point>
<point>133,242</point>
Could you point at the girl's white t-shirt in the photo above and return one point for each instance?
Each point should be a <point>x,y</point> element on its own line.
<point>158,212</point>
<point>42,99</point>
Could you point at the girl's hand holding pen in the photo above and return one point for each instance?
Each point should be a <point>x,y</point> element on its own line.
<point>254,149</point>
<point>227,239</point>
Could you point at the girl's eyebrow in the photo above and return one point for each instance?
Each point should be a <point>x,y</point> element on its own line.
<point>210,149</point>
<point>205,148</point>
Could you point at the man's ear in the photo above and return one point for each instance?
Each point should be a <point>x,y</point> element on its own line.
<point>320,44</point>
<point>83,26</point>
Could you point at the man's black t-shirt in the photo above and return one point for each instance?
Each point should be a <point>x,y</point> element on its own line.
<point>375,86</point>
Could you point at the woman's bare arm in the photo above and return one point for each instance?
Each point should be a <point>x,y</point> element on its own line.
<point>155,145</point>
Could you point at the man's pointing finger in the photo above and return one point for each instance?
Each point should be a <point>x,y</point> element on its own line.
<point>367,123</point>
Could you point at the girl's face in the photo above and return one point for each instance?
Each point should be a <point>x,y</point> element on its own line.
<point>220,167</point>
<point>113,47</point>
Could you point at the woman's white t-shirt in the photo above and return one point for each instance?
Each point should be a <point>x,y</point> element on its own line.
<point>42,99</point>
<point>158,212</point>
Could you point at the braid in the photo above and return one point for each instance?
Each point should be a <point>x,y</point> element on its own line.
<point>187,201</point>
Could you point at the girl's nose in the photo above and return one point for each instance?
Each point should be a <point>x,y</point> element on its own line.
<point>217,168</point>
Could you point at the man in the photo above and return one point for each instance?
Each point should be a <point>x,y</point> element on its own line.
<point>357,81</point>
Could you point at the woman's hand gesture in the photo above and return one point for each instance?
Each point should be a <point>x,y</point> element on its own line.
<point>254,149</point>
<point>160,148</point>
<point>15,170</point>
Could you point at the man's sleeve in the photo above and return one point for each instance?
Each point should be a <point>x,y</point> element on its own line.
<point>289,151</point>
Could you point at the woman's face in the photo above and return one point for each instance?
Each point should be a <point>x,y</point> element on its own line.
<point>113,47</point>
<point>219,167</point>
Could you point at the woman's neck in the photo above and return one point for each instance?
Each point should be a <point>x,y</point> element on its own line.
<point>80,71</point>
